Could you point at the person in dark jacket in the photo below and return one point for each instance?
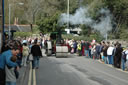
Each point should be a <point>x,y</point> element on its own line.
<point>98,51</point>
<point>105,53</point>
<point>36,53</point>
<point>118,55</point>
<point>87,49</point>
<point>75,46</point>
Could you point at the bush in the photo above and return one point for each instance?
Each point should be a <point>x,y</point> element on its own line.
<point>83,37</point>
<point>22,34</point>
<point>70,36</point>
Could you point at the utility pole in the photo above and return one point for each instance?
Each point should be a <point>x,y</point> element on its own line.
<point>68,17</point>
<point>106,36</point>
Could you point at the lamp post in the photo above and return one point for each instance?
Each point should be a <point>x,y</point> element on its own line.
<point>9,30</point>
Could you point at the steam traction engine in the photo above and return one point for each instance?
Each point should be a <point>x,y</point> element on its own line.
<point>59,48</point>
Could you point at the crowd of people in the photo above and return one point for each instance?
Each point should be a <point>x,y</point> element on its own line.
<point>109,53</point>
<point>16,53</point>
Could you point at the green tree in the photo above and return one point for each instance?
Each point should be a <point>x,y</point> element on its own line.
<point>50,24</point>
<point>119,9</point>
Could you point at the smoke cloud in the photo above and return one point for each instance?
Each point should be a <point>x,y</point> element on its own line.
<point>82,16</point>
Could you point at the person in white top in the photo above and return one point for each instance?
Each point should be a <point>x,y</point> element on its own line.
<point>126,52</point>
<point>110,54</point>
<point>25,54</point>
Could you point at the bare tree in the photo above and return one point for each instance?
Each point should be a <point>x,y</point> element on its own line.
<point>32,7</point>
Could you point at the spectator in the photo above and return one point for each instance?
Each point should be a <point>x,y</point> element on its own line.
<point>98,46</point>
<point>87,49</point>
<point>79,48</point>
<point>5,57</point>
<point>110,54</point>
<point>105,54</point>
<point>118,55</point>
<point>25,54</point>
<point>75,46</point>
<point>20,54</point>
<point>93,51</point>
<point>11,73</point>
<point>83,47</point>
<point>123,58</point>
<point>36,53</point>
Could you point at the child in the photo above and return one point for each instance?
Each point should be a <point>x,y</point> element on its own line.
<point>11,73</point>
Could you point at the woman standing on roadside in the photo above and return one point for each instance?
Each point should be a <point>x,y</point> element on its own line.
<point>25,54</point>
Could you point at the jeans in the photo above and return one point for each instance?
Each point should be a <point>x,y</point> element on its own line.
<point>35,62</point>
<point>110,59</point>
<point>123,61</point>
<point>97,55</point>
<point>105,60</point>
<point>24,60</point>
<point>10,83</point>
<point>87,53</point>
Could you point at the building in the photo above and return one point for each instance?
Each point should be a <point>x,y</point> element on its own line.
<point>76,30</point>
<point>18,28</point>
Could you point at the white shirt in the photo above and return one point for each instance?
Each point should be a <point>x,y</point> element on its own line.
<point>110,50</point>
<point>126,52</point>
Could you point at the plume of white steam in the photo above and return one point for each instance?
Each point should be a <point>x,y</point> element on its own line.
<point>81,16</point>
<point>105,23</point>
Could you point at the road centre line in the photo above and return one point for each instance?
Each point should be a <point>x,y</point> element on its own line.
<point>30,74</point>
<point>34,77</point>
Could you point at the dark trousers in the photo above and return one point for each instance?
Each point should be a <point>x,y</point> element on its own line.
<point>2,77</point>
<point>117,62</point>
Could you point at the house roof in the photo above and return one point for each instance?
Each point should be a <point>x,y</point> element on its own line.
<point>19,28</point>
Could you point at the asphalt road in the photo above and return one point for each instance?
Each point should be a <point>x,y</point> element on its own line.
<point>78,71</point>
